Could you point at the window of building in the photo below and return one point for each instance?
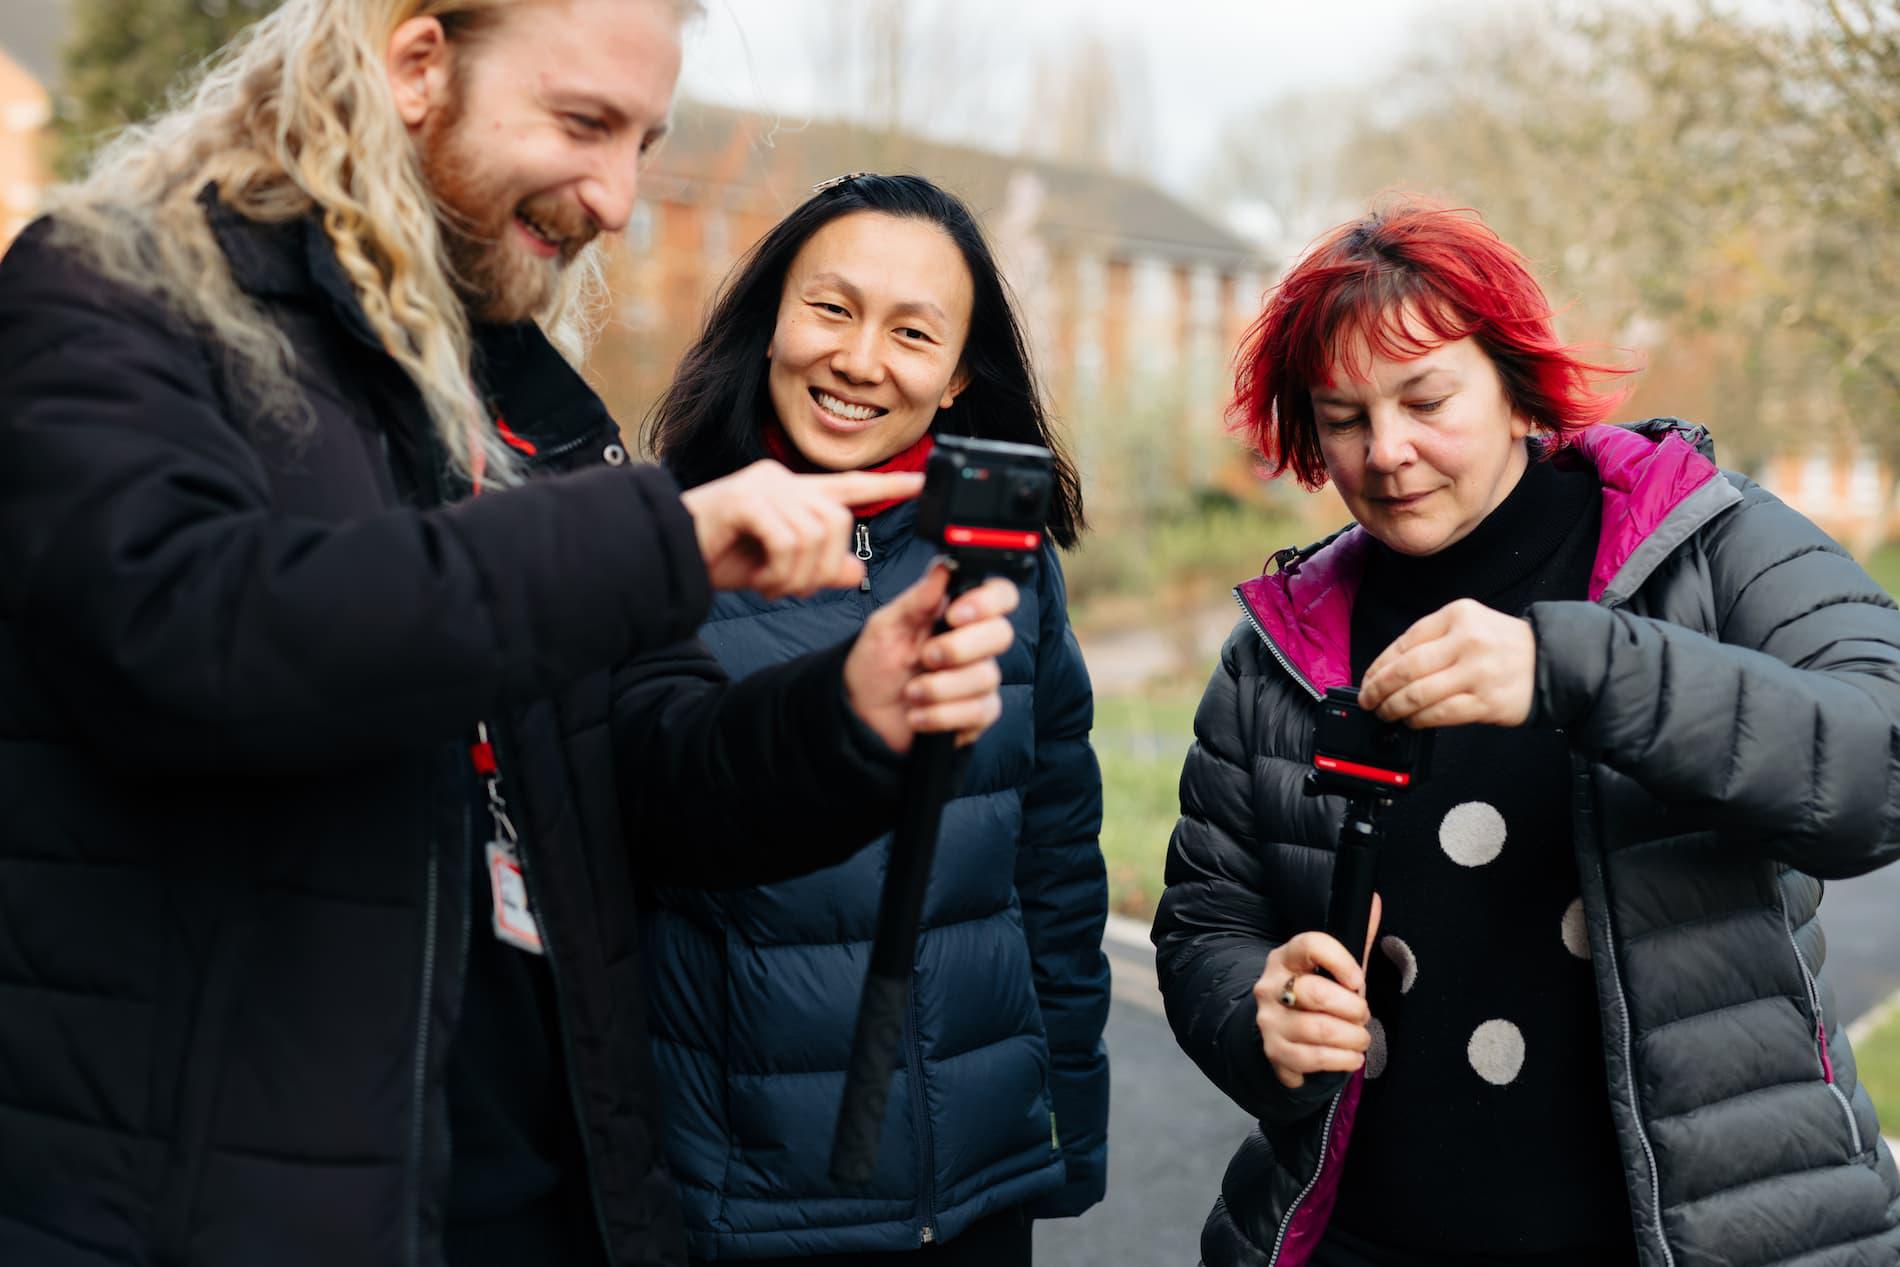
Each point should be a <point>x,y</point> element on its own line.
<point>1815,488</point>
<point>641,227</point>
<point>1864,485</point>
<point>1091,295</point>
<point>1154,318</point>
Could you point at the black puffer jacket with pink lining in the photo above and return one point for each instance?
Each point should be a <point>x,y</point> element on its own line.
<point>1732,697</point>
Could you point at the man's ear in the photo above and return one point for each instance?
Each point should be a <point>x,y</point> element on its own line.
<point>419,63</point>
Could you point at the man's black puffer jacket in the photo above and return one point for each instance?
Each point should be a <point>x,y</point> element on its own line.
<point>240,663</point>
<point>1732,698</point>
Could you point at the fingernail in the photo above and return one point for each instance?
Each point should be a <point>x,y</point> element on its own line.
<point>915,719</point>
<point>933,657</point>
<point>913,693</point>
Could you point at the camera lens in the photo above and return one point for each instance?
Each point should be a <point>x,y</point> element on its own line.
<point>1025,495</point>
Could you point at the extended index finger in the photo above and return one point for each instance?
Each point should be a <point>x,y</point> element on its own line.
<point>856,488</point>
<point>997,596</point>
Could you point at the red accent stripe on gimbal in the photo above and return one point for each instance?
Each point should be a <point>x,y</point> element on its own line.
<point>991,538</point>
<point>1370,773</point>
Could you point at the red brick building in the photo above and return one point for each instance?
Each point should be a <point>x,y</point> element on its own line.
<point>30,31</point>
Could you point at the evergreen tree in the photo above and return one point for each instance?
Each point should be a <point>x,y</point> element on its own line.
<point>125,57</point>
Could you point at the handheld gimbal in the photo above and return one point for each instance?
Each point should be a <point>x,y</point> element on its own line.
<point>984,502</point>
<point>1369,762</point>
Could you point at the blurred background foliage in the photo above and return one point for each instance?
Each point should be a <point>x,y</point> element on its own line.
<point>124,58</point>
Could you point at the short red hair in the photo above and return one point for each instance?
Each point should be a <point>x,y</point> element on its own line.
<point>1413,264</point>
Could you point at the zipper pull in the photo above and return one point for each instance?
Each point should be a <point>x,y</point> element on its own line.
<point>863,551</point>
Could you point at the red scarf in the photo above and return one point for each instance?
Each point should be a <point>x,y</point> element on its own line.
<point>779,445</point>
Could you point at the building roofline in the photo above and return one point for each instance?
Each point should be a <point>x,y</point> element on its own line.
<point>1082,202</point>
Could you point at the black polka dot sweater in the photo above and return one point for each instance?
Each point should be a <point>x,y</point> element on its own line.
<point>1485,1086</point>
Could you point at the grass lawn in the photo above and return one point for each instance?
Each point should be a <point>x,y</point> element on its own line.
<point>1884,565</point>
<point>1141,740</point>
<point>1879,1061</point>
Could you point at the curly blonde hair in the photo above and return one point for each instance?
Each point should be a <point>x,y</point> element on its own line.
<point>295,116</point>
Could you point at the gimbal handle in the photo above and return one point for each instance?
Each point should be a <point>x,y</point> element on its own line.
<point>1355,858</point>
<point>928,783</point>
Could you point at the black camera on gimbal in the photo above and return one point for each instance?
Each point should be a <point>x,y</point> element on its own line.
<point>984,503</point>
<point>1356,754</point>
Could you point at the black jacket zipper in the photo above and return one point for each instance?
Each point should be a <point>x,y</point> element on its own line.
<point>523,849</point>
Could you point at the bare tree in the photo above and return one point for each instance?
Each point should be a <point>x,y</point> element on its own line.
<point>1725,185</point>
<point>905,67</point>
<point>1093,106</point>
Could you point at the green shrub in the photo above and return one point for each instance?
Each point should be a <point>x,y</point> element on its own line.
<point>1884,564</point>
<point>1172,562</point>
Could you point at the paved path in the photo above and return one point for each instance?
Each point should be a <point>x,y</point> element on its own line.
<point>1171,1132</point>
<point>1862,919</point>
<point>1126,659</point>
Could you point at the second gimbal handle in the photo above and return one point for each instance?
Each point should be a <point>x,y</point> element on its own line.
<point>1355,859</point>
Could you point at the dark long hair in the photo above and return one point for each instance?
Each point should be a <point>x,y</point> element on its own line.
<point>711,420</point>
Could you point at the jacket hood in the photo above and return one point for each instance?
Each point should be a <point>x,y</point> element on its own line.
<point>1660,483</point>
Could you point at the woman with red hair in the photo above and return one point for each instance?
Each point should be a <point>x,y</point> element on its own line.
<point>1590,1024</point>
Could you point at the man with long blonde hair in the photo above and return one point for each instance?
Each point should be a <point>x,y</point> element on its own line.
<point>347,675</point>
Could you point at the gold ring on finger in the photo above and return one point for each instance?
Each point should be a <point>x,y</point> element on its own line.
<point>1287,997</point>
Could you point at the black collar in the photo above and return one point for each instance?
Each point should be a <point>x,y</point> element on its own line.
<point>1515,540</point>
<point>524,377</point>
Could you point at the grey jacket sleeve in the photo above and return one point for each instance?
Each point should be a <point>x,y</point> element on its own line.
<point>1782,730</point>
<point>1232,894</point>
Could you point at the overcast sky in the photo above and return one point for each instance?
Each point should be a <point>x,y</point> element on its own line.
<point>1206,61</point>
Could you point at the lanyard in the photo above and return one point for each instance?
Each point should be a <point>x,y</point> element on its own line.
<point>514,921</point>
<point>481,755</point>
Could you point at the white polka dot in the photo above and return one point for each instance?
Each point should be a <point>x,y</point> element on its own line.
<point>1472,834</point>
<point>1403,959</point>
<point>1576,933</point>
<point>1375,1054</point>
<point>1496,1051</point>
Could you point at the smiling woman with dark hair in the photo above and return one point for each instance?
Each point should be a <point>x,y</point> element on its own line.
<point>870,320</point>
<point>1590,1027</point>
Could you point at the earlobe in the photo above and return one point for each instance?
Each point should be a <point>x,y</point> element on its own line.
<point>955,390</point>
<point>418,65</point>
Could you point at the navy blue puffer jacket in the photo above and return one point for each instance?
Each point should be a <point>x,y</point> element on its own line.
<point>1001,1099</point>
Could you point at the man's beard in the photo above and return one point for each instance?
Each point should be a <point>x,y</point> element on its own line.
<point>499,280</point>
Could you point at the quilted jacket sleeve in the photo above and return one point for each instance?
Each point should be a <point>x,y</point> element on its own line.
<point>179,621</point>
<point>1783,731</point>
<point>1232,894</point>
<point>769,777</point>
<point>1063,887</point>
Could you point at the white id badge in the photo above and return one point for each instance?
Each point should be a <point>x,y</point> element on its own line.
<point>514,922</point>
